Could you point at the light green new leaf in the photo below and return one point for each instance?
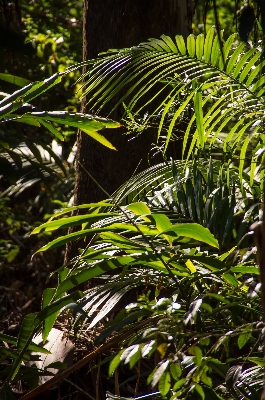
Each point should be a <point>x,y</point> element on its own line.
<point>200,46</point>
<point>181,44</point>
<point>16,80</point>
<point>115,362</point>
<point>164,384</point>
<point>139,208</point>
<point>163,223</point>
<point>194,231</point>
<point>191,45</point>
<point>70,221</point>
<point>175,371</point>
<point>99,138</point>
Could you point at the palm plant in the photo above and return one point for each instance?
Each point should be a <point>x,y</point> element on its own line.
<point>178,232</point>
<point>216,88</point>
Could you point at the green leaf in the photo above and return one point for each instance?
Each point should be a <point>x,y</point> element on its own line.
<point>99,138</point>
<point>234,58</point>
<point>200,391</point>
<point>57,365</point>
<point>70,221</point>
<point>73,236</point>
<point>50,128</point>
<point>57,305</point>
<point>115,362</point>
<point>86,274</point>
<point>159,372</point>
<point>206,380</point>
<point>16,80</point>
<point>199,46</point>
<point>218,297</point>
<point>208,44</point>
<point>181,44</point>
<point>26,330</point>
<point>244,337</point>
<point>207,307</point>
<point>194,231</point>
<point>77,120</point>
<point>256,360</point>
<point>197,353</point>
<point>139,208</point>
<point>164,384</point>
<point>199,117</point>
<point>31,91</point>
<point>48,322</point>
<point>175,371</point>
<point>32,347</point>
<point>162,223</point>
<point>124,322</point>
<point>179,384</point>
<point>242,157</point>
<point>215,53</point>
<point>191,45</point>
<point>230,279</point>
<point>210,262</point>
<point>134,356</point>
<point>218,367</point>
<point>83,206</point>
<point>245,270</point>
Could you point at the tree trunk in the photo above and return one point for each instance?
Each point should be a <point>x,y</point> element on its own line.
<point>118,24</point>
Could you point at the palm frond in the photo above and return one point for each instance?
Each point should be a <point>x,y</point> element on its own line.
<point>218,93</point>
<point>205,192</point>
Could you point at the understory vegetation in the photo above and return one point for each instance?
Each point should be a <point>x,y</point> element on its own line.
<point>166,282</point>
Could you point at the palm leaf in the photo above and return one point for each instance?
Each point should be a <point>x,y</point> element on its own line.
<point>165,78</point>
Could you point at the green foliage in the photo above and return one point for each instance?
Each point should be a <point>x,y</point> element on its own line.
<point>222,81</point>
<point>177,234</point>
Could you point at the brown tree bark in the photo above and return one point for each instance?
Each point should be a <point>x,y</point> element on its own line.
<point>118,24</point>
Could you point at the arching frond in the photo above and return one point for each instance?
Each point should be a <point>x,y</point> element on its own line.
<point>217,92</point>
<point>208,193</point>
